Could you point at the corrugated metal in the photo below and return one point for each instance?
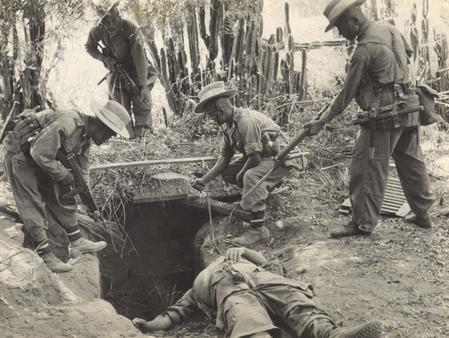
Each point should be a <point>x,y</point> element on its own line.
<point>394,203</point>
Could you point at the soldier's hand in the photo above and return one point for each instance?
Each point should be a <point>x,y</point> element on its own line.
<point>109,62</point>
<point>161,322</point>
<point>198,184</point>
<point>314,127</point>
<point>145,94</point>
<point>68,179</point>
<point>235,254</point>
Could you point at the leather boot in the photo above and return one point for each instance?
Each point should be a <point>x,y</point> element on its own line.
<point>369,330</point>
<point>83,245</point>
<point>54,263</point>
<point>252,236</point>
<point>350,230</point>
<point>423,222</point>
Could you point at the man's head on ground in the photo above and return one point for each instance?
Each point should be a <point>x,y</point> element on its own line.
<point>110,119</point>
<point>215,101</point>
<point>347,16</point>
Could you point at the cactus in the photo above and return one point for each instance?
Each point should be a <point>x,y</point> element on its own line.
<point>425,52</point>
<point>216,17</point>
<point>192,31</point>
<point>227,40</point>
<point>303,80</point>
<point>288,30</point>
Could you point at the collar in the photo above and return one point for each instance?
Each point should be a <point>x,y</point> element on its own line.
<point>363,29</point>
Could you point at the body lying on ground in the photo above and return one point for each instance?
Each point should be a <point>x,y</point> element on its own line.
<point>247,300</point>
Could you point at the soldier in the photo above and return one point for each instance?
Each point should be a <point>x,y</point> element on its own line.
<point>378,78</point>
<point>37,177</point>
<point>248,300</point>
<point>118,43</point>
<point>255,136</point>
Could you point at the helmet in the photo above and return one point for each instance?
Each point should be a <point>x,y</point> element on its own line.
<point>114,116</point>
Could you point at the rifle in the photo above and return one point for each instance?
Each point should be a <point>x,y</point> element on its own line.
<point>80,188</point>
<point>283,155</point>
<point>386,117</point>
<point>123,74</point>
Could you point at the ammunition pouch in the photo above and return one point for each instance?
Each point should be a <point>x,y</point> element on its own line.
<point>270,143</point>
<point>427,97</point>
<point>389,116</point>
<point>25,130</point>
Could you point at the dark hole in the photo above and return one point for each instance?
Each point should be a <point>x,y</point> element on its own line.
<point>144,284</point>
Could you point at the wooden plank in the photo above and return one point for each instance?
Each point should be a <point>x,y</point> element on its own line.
<point>181,160</point>
<point>217,207</point>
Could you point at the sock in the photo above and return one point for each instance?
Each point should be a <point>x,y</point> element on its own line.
<point>73,233</point>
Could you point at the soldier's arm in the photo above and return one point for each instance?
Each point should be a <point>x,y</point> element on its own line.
<point>44,148</point>
<point>174,315</point>
<point>355,76</point>
<point>138,53</point>
<point>221,164</point>
<point>92,44</point>
<point>236,254</point>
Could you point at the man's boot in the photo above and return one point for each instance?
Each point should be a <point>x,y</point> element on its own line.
<point>423,222</point>
<point>83,245</point>
<point>369,330</point>
<point>323,328</point>
<point>350,230</point>
<point>54,263</point>
<point>252,236</point>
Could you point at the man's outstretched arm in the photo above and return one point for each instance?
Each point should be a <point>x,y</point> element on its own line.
<point>174,315</point>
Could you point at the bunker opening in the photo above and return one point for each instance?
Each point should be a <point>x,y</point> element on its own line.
<point>156,265</point>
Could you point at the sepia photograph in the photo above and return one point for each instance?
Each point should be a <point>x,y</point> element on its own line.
<point>224,168</point>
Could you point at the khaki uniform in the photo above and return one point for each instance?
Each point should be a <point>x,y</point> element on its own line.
<point>379,61</point>
<point>245,136</point>
<point>33,174</point>
<point>249,303</point>
<point>126,46</point>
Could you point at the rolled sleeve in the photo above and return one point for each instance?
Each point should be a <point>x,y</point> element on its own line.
<point>184,307</point>
<point>251,135</point>
<point>356,73</point>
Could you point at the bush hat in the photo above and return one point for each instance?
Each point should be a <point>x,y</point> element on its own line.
<point>336,8</point>
<point>114,116</point>
<point>212,91</point>
<point>103,8</point>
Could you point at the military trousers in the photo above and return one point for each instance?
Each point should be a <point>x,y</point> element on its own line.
<point>120,92</point>
<point>255,202</point>
<point>36,200</point>
<point>368,176</point>
<point>269,308</point>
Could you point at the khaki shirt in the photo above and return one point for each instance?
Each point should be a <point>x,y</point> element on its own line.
<point>245,133</point>
<point>215,284</point>
<point>126,45</point>
<point>67,128</point>
<point>374,65</point>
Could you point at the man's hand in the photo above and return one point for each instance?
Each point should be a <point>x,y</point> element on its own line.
<point>109,62</point>
<point>235,254</point>
<point>68,179</point>
<point>314,127</point>
<point>198,184</point>
<point>161,322</point>
<point>145,94</point>
<point>239,178</point>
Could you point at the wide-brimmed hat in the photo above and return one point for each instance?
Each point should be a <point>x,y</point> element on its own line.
<point>212,91</point>
<point>336,8</point>
<point>114,116</point>
<point>104,7</point>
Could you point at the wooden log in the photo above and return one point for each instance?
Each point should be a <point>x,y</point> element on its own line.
<point>217,207</point>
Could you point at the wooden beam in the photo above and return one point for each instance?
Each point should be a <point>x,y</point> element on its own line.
<point>217,207</point>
